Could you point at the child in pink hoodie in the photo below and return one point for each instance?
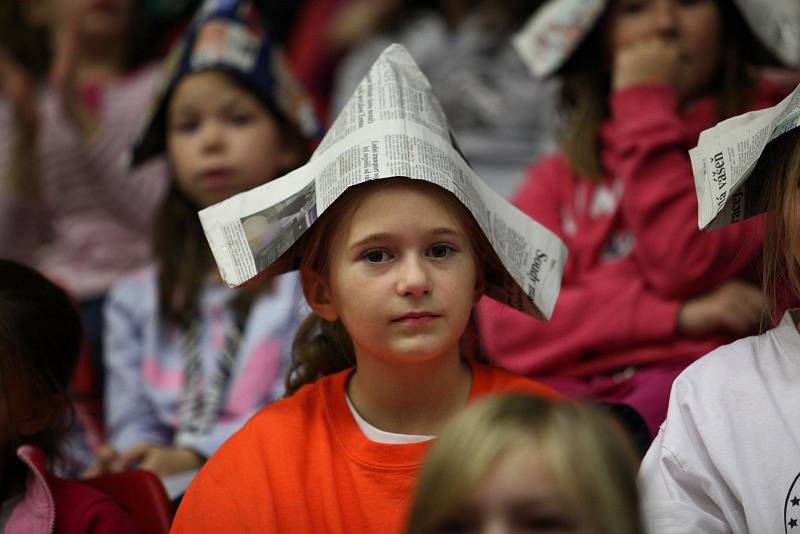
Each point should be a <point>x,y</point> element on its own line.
<point>40,339</point>
<point>644,291</point>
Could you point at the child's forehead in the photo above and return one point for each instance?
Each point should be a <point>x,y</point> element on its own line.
<point>405,200</point>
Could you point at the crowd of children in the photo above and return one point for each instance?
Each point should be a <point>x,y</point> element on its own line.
<point>387,367</point>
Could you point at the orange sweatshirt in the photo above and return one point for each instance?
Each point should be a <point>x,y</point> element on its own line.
<point>303,465</point>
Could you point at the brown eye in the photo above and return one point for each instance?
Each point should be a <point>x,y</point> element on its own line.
<point>376,256</point>
<point>440,250</point>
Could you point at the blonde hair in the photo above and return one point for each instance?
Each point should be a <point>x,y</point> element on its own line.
<point>321,347</point>
<point>780,167</point>
<point>588,455</point>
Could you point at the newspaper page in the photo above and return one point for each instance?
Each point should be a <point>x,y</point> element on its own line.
<point>392,126</point>
<point>726,156</point>
<point>553,33</point>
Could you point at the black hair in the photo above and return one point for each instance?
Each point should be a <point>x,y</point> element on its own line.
<point>41,338</point>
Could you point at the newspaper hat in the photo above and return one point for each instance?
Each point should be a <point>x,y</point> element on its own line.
<point>557,28</point>
<point>725,158</point>
<point>229,35</point>
<point>392,126</point>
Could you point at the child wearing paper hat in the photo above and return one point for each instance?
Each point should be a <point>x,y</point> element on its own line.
<point>645,292</point>
<point>727,458</point>
<point>391,268</point>
<point>189,360</point>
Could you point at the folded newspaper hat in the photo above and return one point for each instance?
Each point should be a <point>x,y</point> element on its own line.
<point>557,28</point>
<point>391,127</point>
<point>229,35</point>
<point>728,182</point>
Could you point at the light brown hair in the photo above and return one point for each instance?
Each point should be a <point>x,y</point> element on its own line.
<point>780,167</point>
<point>322,347</point>
<point>591,462</point>
<point>586,87</point>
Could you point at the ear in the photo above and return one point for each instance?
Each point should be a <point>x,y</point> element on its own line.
<point>41,414</point>
<point>317,292</point>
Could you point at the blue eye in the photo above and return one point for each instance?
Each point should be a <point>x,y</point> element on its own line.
<point>376,256</point>
<point>441,250</point>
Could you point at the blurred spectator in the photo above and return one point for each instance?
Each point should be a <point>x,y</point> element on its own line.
<point>67,204</point>
<point>503,119</point>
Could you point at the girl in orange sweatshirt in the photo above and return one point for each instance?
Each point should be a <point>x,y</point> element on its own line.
<point>391,270</point>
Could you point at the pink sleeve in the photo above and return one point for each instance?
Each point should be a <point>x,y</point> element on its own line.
<point>660,205</point>
<point>605,310</point>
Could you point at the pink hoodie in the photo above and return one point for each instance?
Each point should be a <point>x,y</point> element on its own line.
<point>52,504</point>
<point>635,252</point>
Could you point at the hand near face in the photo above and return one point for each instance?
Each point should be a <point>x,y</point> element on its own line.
<point>651,61</point>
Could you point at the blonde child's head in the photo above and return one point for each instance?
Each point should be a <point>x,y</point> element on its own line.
<point>526,464</point>
<point>393,210</point>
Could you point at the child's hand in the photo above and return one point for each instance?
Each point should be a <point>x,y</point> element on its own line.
<point>105,461</point>
<point>64,76</point>
<point>20,89</point>
<point>651,61</point>
<point>734,307</point>
<point>163,461</point>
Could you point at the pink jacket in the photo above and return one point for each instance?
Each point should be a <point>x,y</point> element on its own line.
<point>635,251</point>
<point>52,504</point>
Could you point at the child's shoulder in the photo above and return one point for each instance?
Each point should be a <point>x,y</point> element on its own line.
<point>745,368</point>
<point>80,507</point>
<point>488,379</point>
<point>286,422</point>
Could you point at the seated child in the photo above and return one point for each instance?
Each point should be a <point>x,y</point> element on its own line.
<point>40,340</point>
<point>516,463</point>
<point>391,268</point>
<point>188,359</point>
<point>727,458</point>
<point>645,292</point>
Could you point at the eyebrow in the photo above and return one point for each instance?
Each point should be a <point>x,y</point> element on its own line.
<point>384,236</point>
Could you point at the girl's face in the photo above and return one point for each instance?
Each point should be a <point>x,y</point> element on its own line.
<point>517,496</point>
<point>221,140</point>
<point>694,26</point>
<point>402,275</point>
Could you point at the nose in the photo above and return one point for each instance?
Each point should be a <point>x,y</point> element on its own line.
<point>413,278</point>
<point>665,17</point>
<point>211,137</point>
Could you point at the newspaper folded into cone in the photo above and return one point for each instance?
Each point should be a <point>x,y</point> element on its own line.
<point>726,155</point>
<point>392,126</point>
<point>555,30</point>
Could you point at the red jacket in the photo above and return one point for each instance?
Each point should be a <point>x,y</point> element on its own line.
<point>302,464</point>
<point>635,250</point>
<point>51,504</point>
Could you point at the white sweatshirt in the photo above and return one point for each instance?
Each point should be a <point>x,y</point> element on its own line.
<point>727,458</point>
